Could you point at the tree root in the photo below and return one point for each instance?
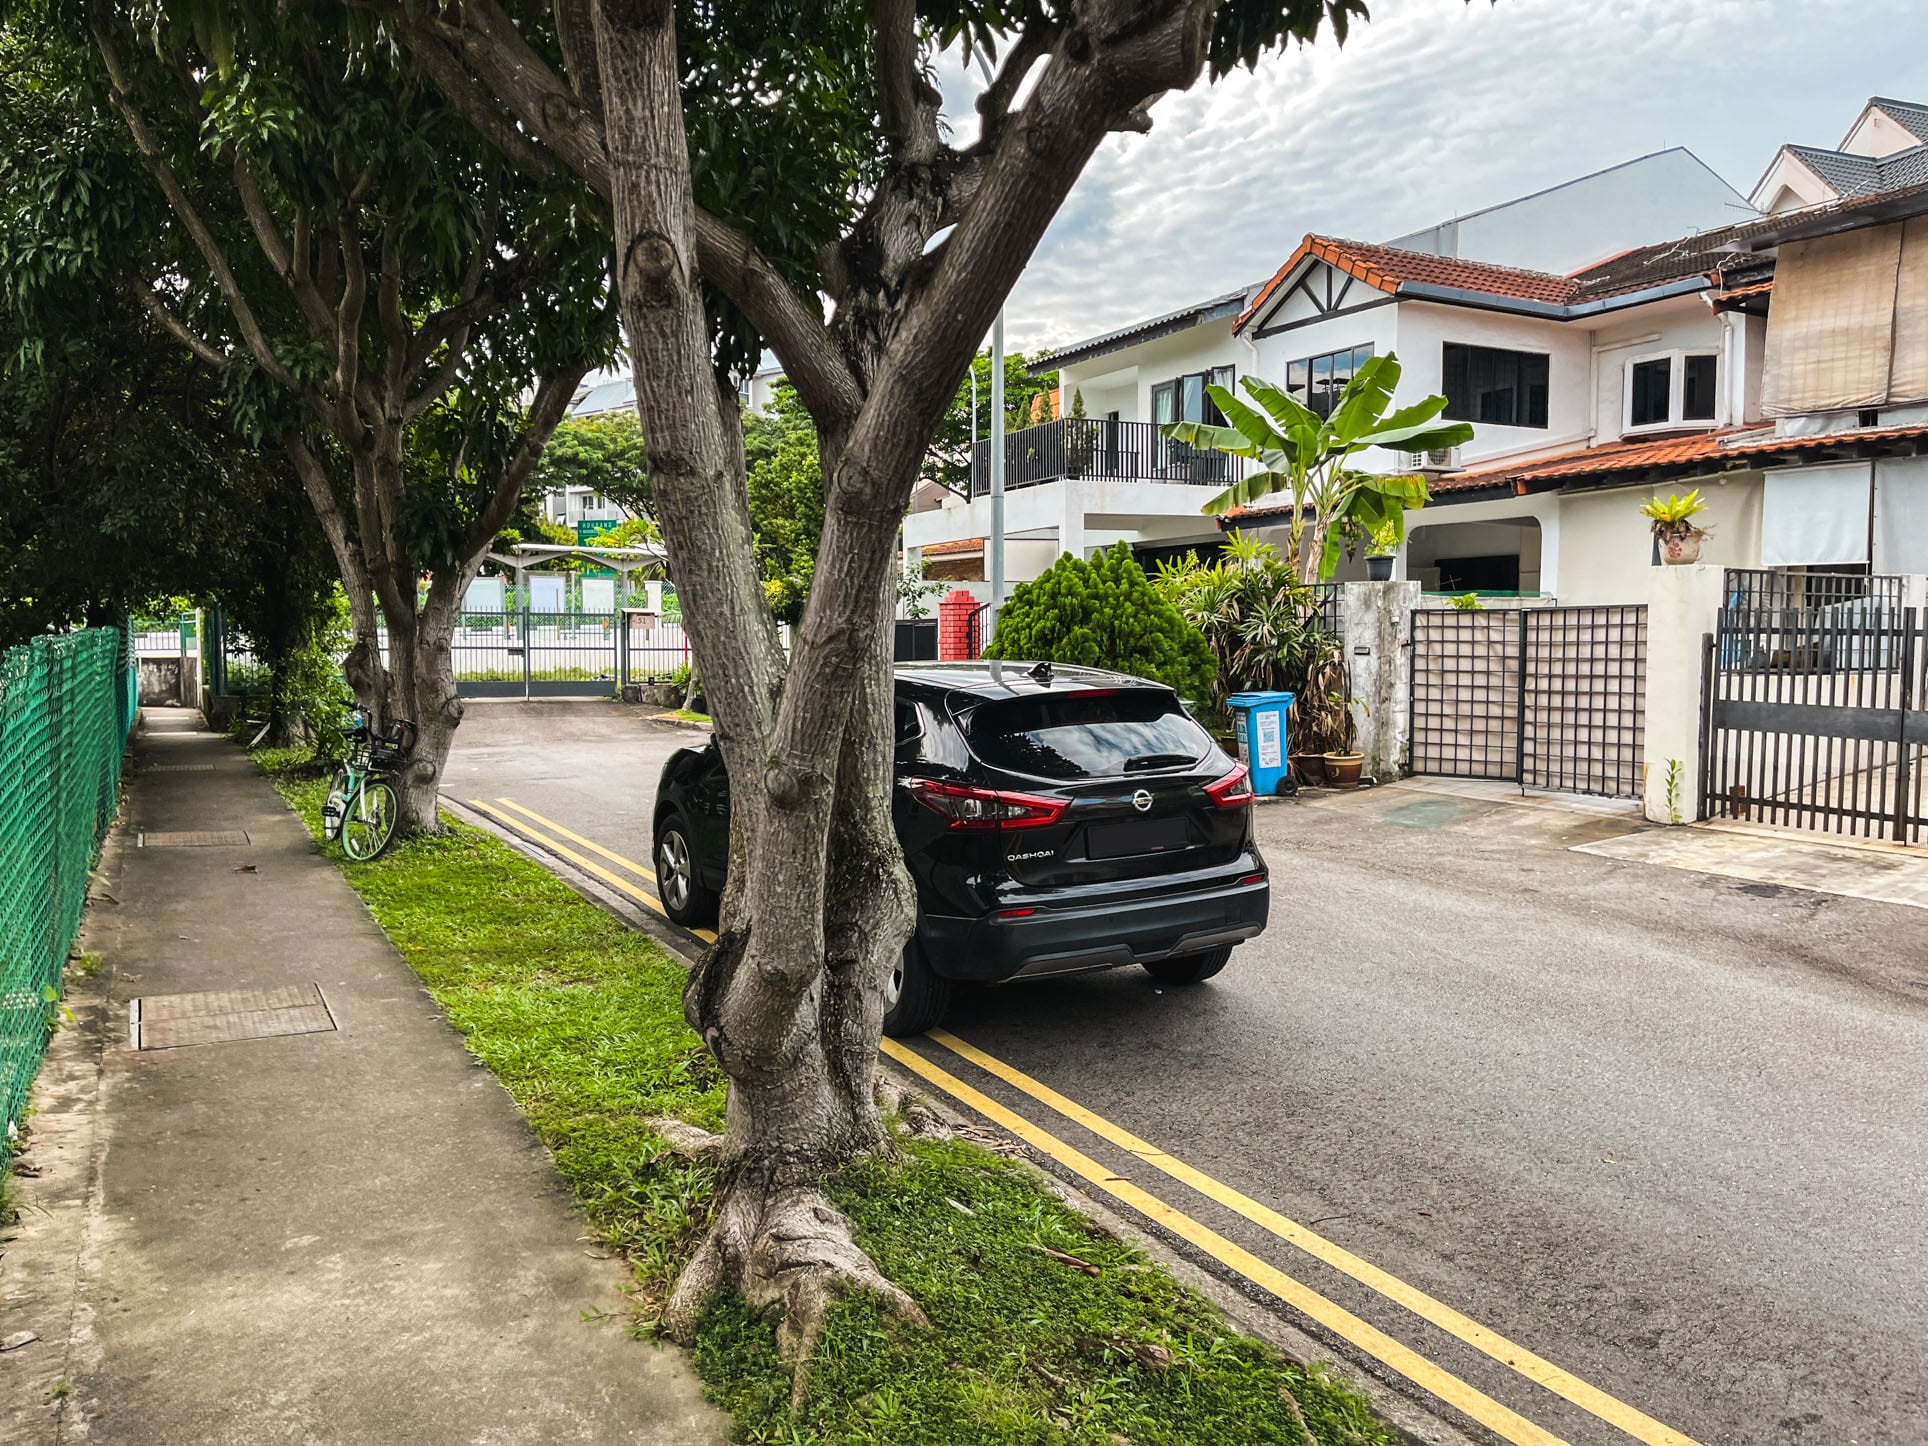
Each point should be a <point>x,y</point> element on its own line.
<point>791,1253</point>
<point>913,1111</point>
<point>684,1139</point>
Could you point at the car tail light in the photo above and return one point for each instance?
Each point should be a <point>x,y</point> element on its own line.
<point>1234,790</point>
<point>985,808</point>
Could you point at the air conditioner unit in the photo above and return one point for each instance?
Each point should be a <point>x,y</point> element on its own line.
<point>1439,459</point>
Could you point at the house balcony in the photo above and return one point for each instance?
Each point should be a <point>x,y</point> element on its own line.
<point>1098,449</point>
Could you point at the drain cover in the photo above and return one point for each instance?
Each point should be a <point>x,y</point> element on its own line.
<point>191,839</point>
<point>178,768</point>
<point>167,1021</point>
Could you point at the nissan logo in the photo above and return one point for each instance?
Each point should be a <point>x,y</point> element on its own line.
<point>1141,800</point>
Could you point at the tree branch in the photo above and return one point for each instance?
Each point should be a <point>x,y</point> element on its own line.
<point>120,92</point>
<point>175,327</point>
<point>546,412</point>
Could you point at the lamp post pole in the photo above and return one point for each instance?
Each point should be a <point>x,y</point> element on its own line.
<point>994,546</point>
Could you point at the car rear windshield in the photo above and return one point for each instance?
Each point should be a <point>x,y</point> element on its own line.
<point>1087,735</point>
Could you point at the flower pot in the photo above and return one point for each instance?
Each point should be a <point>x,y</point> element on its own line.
<point>1379,569</point>
<point>1342,769</point>
<point>1310,768</point>
<point>1678,551</point>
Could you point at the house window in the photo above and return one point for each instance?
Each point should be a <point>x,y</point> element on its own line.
<point>1500,388</point>
<point>1651,384</point>
<point>1183,399</point>
<point>1315,382</point>
<point>1671,389</point>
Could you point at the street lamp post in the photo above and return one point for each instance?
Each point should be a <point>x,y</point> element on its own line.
<point>994,546</point>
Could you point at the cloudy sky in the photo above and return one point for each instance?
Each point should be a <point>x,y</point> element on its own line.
<point>1436,108</point>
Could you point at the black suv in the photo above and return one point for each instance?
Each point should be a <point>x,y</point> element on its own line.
<point>1054,819</point>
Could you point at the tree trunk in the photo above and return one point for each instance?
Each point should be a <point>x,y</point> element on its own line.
<point>802,1063</point>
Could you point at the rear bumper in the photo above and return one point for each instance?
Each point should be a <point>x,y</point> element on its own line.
<point>1068,939</point>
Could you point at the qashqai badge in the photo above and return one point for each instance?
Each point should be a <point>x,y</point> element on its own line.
<point>1141,800</point>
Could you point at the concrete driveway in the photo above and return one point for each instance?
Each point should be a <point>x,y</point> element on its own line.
<point>1662,1132</point>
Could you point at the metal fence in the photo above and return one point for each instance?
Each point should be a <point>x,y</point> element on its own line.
<point>1816,720</point>
<point>66,704</point>
<point>1759,590</point>
<point>1551,698</point>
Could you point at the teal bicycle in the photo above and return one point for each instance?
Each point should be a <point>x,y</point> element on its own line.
<point>362,807</point>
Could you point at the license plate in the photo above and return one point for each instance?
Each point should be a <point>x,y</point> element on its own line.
<point>1136,836</point>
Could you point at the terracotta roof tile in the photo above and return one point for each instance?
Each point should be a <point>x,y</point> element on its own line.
<point>1387,267</point>
<point>1660,452</point>
<point>1744,442</point>
<point>951,549</point>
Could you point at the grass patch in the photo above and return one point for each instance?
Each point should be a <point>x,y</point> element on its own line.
<point>581,1018</point>
<point>687,715</point>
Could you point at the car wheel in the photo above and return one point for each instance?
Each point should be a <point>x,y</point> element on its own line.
<point>915,996</point>
<point>684,899</point>
<point>1189,968</point>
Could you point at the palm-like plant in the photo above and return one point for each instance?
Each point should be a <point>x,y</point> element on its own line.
<point>1261,621</point>
<point>1300,452</point>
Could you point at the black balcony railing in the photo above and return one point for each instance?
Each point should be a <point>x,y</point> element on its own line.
<point>1102,450</point>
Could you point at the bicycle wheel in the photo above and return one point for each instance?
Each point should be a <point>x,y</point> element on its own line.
<point>337,804</point>
<point>369,823</point>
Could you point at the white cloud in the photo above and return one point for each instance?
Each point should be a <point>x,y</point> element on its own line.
<point>1435,108</point>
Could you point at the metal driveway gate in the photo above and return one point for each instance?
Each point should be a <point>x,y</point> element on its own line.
<point>1814,713</point>
<point>535,655</point>
<point>1551,698</point>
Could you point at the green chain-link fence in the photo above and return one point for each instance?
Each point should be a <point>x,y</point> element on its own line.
<point>66,705</point>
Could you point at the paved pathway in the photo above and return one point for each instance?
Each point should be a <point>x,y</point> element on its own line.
<point>348,1235</point>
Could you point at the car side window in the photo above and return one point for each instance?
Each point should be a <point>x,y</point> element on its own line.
<point>910,728</point>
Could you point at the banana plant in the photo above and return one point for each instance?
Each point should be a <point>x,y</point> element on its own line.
<point>1307,455</point>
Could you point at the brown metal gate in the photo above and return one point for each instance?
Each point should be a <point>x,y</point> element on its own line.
<point>1551,698</point>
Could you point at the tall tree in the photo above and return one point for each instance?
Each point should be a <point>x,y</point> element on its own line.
<point>400,309</point>
<point>915,242</point>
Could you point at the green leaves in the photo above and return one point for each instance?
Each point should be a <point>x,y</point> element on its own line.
<point>1104,614</point>
<point>1300,452</point>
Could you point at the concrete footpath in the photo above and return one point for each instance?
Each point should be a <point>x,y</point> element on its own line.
<point>299,1211</point>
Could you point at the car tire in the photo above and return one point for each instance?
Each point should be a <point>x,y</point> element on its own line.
<point>1189,968</point>
<point>684,899</point>
<point>916,997</point>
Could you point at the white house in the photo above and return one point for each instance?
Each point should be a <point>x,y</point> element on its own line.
<point>1671,364</point>
<point>1884,150</point>
<point>1579,222</point>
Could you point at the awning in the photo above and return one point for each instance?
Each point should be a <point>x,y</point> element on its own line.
<point>1813,515</point>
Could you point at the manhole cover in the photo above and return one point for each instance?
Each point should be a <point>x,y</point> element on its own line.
<point>178,768</point>
<point>191,839</point>
<point>167,1021</point>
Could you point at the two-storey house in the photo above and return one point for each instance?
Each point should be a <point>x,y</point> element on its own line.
<point>1102,471</point>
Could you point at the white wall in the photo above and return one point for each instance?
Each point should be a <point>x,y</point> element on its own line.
<point>1654,198</point>
<point>1682,323</point>
<point>1111,377</point>
<point>1606,546</point>
<point>1425,327</point>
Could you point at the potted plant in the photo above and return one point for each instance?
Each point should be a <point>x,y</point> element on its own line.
<point>1343,764</point>
<point>1672,520</point>
<point>1382,542</point>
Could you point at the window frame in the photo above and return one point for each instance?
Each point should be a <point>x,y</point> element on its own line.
<point>1311,365</point>
<point>1523,398</point>
<point>1675,420</point>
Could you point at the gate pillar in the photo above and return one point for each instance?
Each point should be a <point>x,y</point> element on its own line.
<point>1683,609</point>
<point>1376,622</point>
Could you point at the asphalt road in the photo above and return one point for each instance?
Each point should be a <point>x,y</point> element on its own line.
<point>1667,1130</point>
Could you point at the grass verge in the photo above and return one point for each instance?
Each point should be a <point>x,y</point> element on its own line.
<point>1045,1329</point>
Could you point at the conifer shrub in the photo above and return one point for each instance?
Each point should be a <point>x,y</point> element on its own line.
<point>1104,614</point>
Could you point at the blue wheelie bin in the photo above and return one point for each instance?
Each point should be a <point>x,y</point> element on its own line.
<point>1258,719</point>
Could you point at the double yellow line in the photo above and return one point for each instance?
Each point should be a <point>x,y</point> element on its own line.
<point>615,881</point>
<point>1506,1423</point>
